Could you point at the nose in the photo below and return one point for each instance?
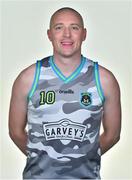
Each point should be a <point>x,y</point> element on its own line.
<point>67,32</point>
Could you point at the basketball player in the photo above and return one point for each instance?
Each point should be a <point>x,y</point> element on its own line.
<point>63,99</point>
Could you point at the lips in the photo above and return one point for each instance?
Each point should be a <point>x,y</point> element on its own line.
<point>67,43</point>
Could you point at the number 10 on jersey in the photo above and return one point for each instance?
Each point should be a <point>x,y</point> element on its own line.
<point>47,97</point>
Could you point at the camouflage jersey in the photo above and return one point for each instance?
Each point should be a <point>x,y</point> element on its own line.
<point>64,117</point>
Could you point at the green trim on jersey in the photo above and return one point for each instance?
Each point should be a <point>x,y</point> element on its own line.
<point>98,83</point>
<point>36,79</point>
<point>72,76</point>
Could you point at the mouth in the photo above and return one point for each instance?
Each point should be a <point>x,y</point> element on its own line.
<point>66,43</point>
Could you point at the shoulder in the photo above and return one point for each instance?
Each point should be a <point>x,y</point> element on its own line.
<point>24,80</point>
<point>109,82</point>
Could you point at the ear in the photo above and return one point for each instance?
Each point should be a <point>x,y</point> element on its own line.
<point>49,34</point>
<point>84,34</point>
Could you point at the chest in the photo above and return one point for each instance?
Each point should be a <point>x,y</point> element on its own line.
<point>81,91</point>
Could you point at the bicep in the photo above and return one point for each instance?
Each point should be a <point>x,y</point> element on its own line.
<point>112,108</point>
<point>18,109</point>
<point>112,117</point>
<point>18,103</point>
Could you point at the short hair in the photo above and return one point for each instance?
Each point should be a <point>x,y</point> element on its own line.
<point>66,9</point>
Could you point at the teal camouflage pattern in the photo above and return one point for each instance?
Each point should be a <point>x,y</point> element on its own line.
<point>63,125</point>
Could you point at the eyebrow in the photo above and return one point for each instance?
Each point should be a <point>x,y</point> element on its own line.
<point>57,24</point>
<point>72,24</point>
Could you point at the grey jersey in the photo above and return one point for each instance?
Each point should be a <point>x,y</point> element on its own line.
<point>64,117</point>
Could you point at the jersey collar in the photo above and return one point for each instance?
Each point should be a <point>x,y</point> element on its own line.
<point>61,75</point>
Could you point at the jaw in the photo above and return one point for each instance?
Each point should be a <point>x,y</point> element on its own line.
<point>67,48</point>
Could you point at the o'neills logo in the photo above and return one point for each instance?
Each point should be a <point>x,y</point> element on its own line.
<point>64,130</point>
<point>69,91</point>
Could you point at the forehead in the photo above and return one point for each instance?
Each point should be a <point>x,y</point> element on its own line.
<point>66,17</point>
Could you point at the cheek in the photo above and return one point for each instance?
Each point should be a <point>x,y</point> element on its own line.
<point>79,37</point>
<point>55,42</point>
<point>79,40</point>
<point>53,36</point>
<point>56,37</point>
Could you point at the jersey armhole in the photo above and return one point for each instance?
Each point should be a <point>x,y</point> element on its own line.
<point>98,83</point>
<point>35,81</point>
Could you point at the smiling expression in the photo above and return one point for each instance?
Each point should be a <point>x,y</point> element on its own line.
<point>66,33</point>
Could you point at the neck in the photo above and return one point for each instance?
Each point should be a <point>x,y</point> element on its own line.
<point>67,65</point>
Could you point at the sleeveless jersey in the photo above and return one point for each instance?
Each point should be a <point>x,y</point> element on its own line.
<point>64,117</point>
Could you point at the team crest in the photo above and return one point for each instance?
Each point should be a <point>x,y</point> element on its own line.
<point>86,99</point>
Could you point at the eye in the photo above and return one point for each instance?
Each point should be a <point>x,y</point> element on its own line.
<point>76,28</point>
<point>58,27</point>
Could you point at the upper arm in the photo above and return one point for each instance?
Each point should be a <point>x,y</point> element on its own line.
<point>18,102</point>
<point>112,104</point>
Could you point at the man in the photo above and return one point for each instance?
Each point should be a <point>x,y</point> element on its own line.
<point>63,99</point>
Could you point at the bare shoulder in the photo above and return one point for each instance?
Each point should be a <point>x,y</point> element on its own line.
<point>24,80</point>
<point>108,81</point>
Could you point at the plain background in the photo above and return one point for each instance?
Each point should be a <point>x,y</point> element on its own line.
<point>24,40</point>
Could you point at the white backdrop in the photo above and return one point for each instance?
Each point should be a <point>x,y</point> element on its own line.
<point>24,40</point>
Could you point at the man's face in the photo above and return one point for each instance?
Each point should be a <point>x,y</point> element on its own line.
<point>66,34</point>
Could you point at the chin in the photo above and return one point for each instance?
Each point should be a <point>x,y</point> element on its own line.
<point>68,54</point>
